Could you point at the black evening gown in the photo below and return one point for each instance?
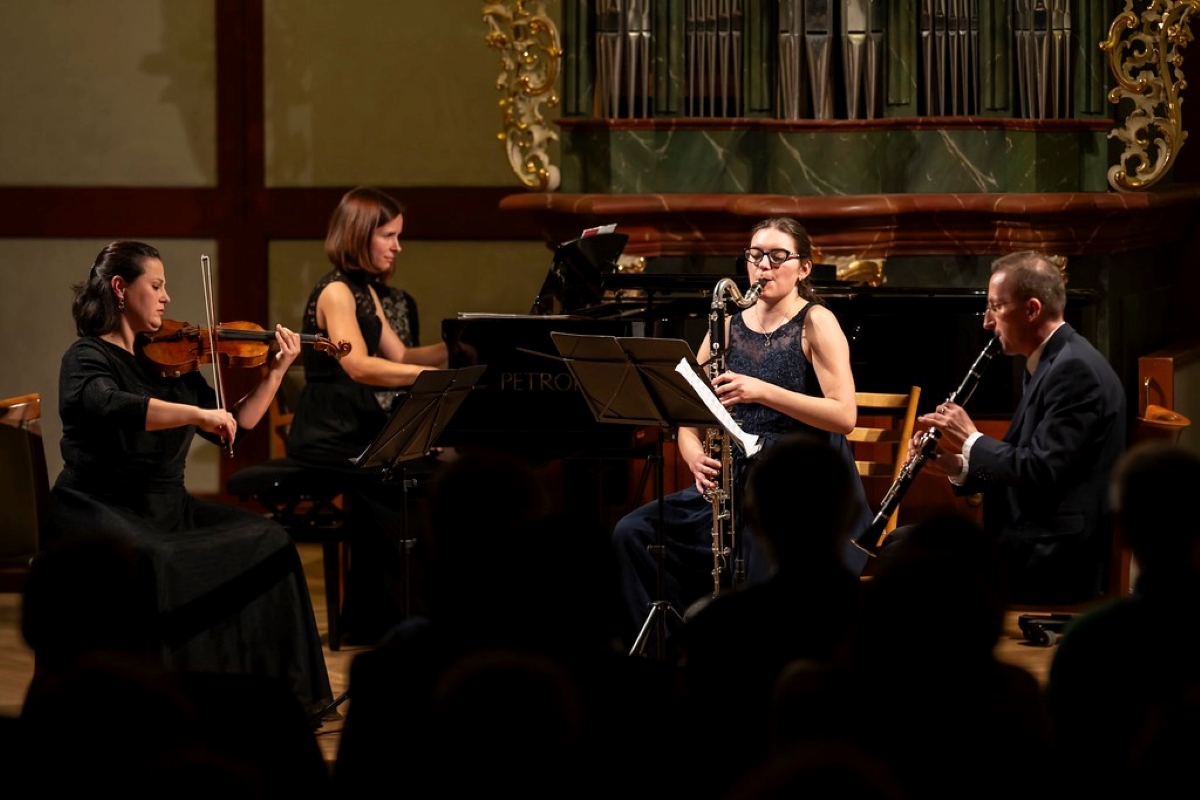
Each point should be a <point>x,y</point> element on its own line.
<point>229,584</point>
<point>336,419</point>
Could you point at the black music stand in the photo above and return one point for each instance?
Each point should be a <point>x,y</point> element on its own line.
<point>634,381</point>
<point>418,418</point>
<point>416,421</point>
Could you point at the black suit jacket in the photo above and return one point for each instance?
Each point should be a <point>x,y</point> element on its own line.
<point>1045,484</point>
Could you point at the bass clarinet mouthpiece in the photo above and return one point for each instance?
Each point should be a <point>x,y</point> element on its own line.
<point>751,296</point>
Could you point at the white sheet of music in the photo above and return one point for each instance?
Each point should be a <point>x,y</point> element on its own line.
<point>748,441</point>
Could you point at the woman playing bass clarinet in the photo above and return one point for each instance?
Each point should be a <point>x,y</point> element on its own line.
<point>787,368</point>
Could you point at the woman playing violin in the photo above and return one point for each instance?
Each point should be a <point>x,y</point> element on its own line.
<point>228,584</point>
<point>345,402</point>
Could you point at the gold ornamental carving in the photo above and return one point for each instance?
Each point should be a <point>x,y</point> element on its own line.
<point>530,53</point>
<point>865,271</point>
<point>1145,54</point>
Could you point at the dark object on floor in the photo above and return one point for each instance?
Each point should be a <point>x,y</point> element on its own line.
<point>1043,630</point>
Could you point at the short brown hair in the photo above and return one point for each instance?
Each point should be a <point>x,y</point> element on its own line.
<point>348,241</point>
<point>1035,274</point>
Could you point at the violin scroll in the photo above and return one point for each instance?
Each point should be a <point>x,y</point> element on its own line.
<point>327,346</point>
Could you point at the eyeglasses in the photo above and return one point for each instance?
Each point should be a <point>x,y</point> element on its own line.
<point>755,255</point>
<point>996,308</point>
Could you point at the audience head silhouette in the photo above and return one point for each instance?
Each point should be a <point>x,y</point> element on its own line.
<point>1150,501</point>
<point>819,767</point>
<point>93,592</point>
<point>482,491</point>
<point>511,560</point>
<point>946,572</point>
<point>801,463</point>
<point>923,647</point>
<point>478,504</point>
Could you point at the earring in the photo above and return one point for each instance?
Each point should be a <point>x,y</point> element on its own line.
<point>120,304</point>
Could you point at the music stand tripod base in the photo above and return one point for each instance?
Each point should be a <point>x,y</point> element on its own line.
<point>635,381</point>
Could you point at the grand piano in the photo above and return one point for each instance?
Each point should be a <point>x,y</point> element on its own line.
<point>527,401</point>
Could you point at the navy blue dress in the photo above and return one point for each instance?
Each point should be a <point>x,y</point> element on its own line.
<point>687,515</point>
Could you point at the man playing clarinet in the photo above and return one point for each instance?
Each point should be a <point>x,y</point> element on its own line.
<point>1044,484</point>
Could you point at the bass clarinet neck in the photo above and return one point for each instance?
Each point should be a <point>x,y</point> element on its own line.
<point>727,290</point>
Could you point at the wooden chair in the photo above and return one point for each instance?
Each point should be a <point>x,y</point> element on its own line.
<point>880,440</point>
<point>24,489</point>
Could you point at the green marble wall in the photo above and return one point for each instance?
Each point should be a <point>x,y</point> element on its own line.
<point>831,162</point>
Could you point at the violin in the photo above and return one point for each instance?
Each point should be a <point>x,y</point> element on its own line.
<point>179,347</point>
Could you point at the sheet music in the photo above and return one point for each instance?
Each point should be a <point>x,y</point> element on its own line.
<point>748,441</point>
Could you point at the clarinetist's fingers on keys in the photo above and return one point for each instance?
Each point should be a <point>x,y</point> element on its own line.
<point>944,464</point>
<point>944,414</point>
<point>926,443</point>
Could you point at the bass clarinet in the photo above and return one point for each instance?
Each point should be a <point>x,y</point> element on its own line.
<point>716,441</point>
<point>871,540</point>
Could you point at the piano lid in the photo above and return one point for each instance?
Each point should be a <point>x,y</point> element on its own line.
<point>585,279</point>
<point>575,277</point>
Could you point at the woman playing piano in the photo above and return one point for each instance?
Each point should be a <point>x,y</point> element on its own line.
<point>345,402</point>
<point>787,368</point>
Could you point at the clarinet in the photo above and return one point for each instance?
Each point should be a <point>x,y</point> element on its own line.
<point>871,540</point>
<point>716,440</point>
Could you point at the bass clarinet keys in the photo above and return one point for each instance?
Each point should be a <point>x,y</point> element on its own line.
<point>717,440</point>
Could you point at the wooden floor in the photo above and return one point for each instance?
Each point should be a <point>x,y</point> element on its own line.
<point>16,661</point>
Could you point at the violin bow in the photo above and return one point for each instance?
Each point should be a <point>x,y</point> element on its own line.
<point>210,311</point>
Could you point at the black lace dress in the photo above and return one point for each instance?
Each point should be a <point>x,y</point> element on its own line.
<point>229,586</point>
<point>335,417</point>
<point>335,420</point>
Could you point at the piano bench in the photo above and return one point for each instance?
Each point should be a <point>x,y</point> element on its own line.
<point>308,503</point>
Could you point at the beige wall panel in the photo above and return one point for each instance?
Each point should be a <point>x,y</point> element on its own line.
<point>40,321</point>
<point>382,92</point>
<point>128,97</point>
<point>444,277</point>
